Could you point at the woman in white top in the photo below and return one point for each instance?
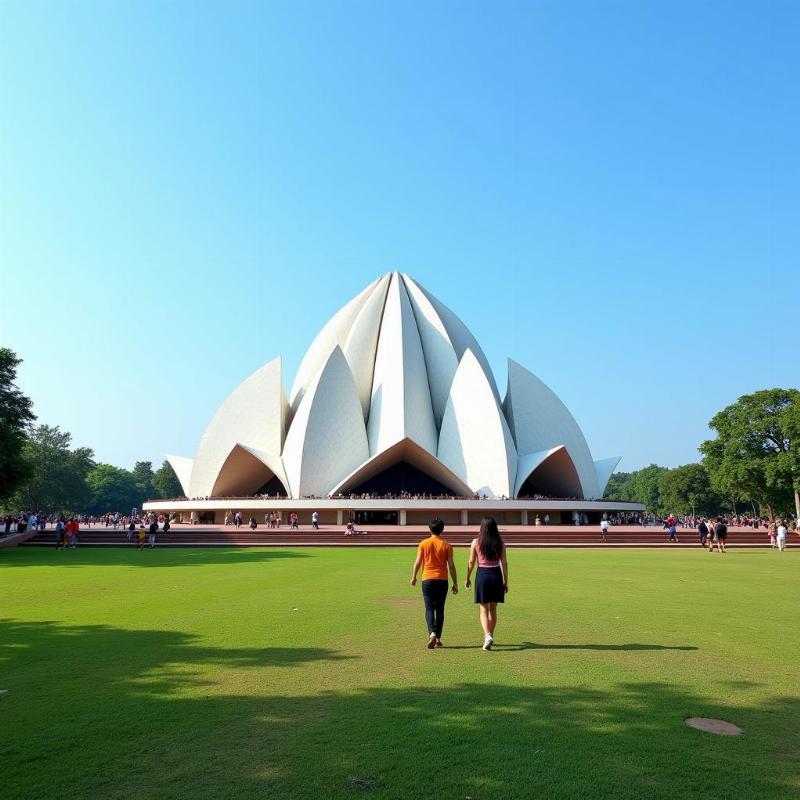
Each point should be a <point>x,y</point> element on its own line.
<point>781,535</point>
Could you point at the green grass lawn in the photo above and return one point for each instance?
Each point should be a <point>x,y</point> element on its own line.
<point>304,674</point>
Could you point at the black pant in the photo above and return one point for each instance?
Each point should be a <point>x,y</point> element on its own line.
<point>434,592</point>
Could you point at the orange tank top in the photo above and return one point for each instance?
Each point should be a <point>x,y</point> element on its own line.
<point>435,554</point>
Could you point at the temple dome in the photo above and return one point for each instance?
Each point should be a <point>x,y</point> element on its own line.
<point>394,385</point>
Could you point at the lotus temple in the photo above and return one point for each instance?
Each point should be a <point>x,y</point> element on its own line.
<point>394,416</point>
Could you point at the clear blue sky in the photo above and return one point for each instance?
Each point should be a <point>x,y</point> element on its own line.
<point>607,192</point>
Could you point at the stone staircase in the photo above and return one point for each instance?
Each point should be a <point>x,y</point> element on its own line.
<point>403,536</point>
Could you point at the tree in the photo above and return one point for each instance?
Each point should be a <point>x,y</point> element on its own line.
<point>687,489</point>
<point>619,486</point>
<point>166,483</point>
<point>112,489</point>
<point>143,475</point>
<point>58,483</point>
<point>640,486</point>
<point>644,487</point>
<point>756,454</point>
<point>16,416</point>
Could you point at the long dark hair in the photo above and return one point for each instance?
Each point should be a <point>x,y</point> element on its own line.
<point>489,542</point>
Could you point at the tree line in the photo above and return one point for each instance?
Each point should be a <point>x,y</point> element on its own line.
<point>751,466</point>
<point>40,470</point>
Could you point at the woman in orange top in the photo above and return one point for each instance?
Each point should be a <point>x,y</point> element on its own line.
<point>435,556</point>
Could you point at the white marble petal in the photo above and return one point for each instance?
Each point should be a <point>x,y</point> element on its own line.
<point>254,414</point>
<point>540,421</point>
<point>475,441</point>
<point>361,344</point>
<point>459,335</point>
<point>527,464</point>
<point>552,471</point>
<point>245,471</point>
<point>182,467</point>
<point>327,439</point>
<point>441,360</point>
<point>333,333</point>
<point>400,406</point>
<point>604,469</point>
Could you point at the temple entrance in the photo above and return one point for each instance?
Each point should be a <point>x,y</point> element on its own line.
<point>556,477</point>
<point>373,517</point>
<point>273,487</point>
<point>401,477</point>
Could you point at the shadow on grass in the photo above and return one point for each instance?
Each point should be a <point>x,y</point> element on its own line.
<point>96,711</point>
<point>630,646</point>
<point>626,646</point>
<point>131,556</point>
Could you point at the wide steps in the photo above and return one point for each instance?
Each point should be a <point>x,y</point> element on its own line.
<point>393,536</point>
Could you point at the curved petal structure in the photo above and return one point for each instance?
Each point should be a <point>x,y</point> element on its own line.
<point>550,473</point>
<point>410,452</point>
<point>460,336</point>
<point>254,414</point>
<point>327,439</point>
<point>527,464</point>
<point>361,344</point>
<point>475,441</point>
<point>245,471</point>
<point>394,394</point>
<point>333,333</point>
<point>540,421</point>
<point>441,360</point>
<point>182,467</point>
<point>400,407</point>
<point>604,470</point>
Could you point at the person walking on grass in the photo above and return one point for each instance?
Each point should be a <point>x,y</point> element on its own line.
<point>672,527</point>
<point>491,579</point>
<point>771,533</point>
<point>435,557</point>
<point>151,534</point>
<point>781,534</point>
<point>60,533</point>
<point>720,534</point>
<point>702,532</point>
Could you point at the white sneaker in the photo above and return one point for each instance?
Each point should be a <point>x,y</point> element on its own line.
<point>487,642</point>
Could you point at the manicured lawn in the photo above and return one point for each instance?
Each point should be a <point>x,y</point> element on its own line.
<point>303,674</point>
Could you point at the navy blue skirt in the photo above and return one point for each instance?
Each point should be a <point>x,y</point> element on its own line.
<point>489,585</point>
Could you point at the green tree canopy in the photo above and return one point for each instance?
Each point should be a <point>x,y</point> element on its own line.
<point>143,475</point>
<point>166,483</point>
<point>112,489</point>
<point>756,454</point>
<point>16,414</point>
<point>644,487</point>
<point>619,487</point>
<point>639,486</point>
<point>687,489</point>
<point>58,483</point>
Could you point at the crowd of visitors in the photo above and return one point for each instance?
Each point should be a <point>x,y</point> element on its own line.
<point>403,495</point>
<point>713,533</point>
<point>142,529</point>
